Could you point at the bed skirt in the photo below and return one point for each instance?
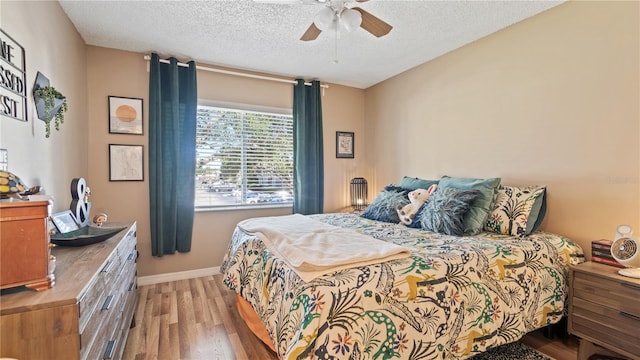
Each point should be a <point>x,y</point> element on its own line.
<point>253,321</point>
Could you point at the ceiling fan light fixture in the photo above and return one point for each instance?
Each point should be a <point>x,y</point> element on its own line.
<point>351,19</point>
<point>324,18</point>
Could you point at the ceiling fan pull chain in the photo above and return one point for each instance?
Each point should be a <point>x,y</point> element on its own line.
<point>335,61</point>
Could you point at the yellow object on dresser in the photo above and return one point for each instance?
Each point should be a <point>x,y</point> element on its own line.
<point>87,314</point>
<point>604,310</point>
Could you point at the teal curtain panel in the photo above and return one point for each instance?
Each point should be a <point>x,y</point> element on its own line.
<point>173,101</point>
<point>308,160</point>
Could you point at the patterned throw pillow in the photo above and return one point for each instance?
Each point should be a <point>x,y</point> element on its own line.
<point>444,211</point>
<point>517,211</point>
<point>383,207</point>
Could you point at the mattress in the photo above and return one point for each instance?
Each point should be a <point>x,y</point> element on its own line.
<point>453,298</point>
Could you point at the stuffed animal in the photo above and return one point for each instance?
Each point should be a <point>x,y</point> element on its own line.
<point>416,197</point>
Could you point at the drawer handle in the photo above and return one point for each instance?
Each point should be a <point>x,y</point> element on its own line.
<point>108,352</point>
<point>632,286</point>
<point>106,267</point>
<point>131,255</point>
<point>107,303</point>
<point>631,316</point>
<point>130,286</point>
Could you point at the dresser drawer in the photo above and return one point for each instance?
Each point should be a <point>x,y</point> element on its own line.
<point>106,339</point>
<point>102,306</point>
<point>119,339</point>
<point>611,294</point>
<point>98,294</point>
<point>129,242</point>
<point>103,323</point>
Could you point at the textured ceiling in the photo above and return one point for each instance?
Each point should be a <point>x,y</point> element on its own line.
<point>262,37</point>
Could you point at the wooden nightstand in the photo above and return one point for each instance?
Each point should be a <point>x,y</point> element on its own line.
<point>604,310</point>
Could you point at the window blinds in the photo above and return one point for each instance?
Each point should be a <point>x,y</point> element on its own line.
<point>243,157</point>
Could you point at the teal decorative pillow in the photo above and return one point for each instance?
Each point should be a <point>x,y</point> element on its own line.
<point>444,211</point>
<point>481,207</point>
<point>383,207</point>
<point>416,183</point>
<point>517,211</point>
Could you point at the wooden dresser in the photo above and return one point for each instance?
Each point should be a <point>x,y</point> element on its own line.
<point>25,259</point>
<point>86,315</point>
<point>604,309</point>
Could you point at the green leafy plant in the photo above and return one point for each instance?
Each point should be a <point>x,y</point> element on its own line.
<point>49,94</point>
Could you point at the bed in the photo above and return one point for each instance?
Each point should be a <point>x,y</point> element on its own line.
<point>452,297</point>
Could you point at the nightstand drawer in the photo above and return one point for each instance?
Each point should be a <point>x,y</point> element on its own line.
<point>619,321</point>
<point>603,291</point>
<point>606,325</point>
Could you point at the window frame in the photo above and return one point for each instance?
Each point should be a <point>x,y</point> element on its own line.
<point>246,108</point>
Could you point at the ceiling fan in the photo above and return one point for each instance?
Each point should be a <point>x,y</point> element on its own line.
<point>336,14</point>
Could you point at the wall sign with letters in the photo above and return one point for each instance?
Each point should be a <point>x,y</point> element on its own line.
<point>13,74</point>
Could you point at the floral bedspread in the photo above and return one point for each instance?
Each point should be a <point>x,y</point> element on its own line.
<point>453,298</point>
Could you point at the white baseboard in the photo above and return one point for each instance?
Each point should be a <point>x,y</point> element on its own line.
<point>182,275</point>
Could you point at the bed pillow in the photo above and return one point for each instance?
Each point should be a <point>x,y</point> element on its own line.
<point>383,207</point>
<point>413,183</point>
<point>444,211</point>
<point>538,211</point>
<point>518,210</point>
<point>481,207</point>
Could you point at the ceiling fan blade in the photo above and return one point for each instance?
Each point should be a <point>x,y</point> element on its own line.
<point>311,33</point>
<point>373,24</point>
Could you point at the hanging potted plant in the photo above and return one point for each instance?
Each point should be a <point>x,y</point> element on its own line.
<point>50,104</point>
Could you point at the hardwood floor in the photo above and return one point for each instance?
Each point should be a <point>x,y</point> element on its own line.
<point>559,349</point>
<point>197,319</point>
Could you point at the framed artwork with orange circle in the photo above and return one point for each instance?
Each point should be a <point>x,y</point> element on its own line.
<point>125,115</point>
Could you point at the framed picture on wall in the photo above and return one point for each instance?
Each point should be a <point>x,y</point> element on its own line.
<point>126,162</point>
<point>344,144</point>
<point>125,115</point>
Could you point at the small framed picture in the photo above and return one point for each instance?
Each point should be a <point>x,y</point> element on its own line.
<point>126,162</point>
<point>344,144</point>
<point>125,115</point>
<point>64,222</point>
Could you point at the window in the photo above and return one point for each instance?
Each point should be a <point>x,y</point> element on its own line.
<point>243,157</point>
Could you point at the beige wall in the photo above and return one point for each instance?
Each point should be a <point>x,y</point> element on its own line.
<point>53,47</point>
<point>121,73</point>
<point>552,100</point>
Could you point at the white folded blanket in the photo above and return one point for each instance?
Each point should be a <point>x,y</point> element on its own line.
<point>312,248</point>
